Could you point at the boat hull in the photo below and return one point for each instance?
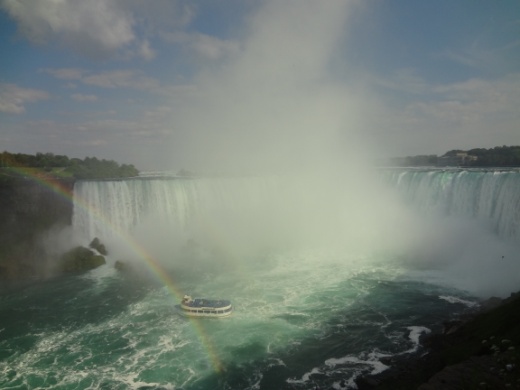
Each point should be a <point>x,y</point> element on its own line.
<point>202,307</point>
<point>203,313</point>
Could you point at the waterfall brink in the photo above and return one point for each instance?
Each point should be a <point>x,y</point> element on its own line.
<point>108,207</point>
<point>492,198</point>
<point>104,208</point>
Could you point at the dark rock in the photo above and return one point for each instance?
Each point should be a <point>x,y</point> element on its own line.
<point>387,360</point>
<point>451,326</point>
<point>80,259</point>
<point>121,266</point>
<point>477,352</point>
<point>474,373</point>
<point>491,303</point>
<point>97,245</point>
<point>367,383</point>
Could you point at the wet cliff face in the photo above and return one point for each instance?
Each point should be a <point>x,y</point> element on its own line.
<point>28,209</point>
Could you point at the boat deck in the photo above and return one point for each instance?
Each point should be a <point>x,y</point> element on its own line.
<point>212,303</point>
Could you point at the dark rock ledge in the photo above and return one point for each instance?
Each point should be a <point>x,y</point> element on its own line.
<point>479,352</point>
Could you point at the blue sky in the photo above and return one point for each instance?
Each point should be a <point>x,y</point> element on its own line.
<point>257,85</point>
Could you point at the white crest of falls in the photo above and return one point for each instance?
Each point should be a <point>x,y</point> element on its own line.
<point>104,207</point>
<point>491,197</point>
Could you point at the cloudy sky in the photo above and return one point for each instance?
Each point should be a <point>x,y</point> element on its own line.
<point>258,85</point>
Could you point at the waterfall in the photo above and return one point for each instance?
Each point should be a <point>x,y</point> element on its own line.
<point>103,208</point>
<point>491,197</point>
<point>463,225</point>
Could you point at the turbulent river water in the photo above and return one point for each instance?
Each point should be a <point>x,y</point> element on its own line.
<point>321,293</point>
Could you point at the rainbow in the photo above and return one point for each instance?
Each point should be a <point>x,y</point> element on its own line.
<point>167,281</point>
<point>66,192</point>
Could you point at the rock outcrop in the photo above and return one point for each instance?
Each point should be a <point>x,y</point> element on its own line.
<point>80,259</point>
<point>481,352</point>
<point>97,245</point>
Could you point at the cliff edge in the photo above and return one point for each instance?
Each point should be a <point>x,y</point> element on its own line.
<point>30,207</point>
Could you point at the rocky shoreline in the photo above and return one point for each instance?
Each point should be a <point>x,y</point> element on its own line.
<point>478,352</point>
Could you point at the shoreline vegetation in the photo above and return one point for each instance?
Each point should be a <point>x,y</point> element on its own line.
<point>62,167</point>
<point>497,157</point>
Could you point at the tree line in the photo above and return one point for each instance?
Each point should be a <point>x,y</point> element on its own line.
<point>88,168</point>
<point>499,156</point>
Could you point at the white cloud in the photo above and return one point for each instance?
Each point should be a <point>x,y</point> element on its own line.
<point>83,98</point>
<point>160,15</point>
<point>65,73</point>
<point>498,95</point>
<point>475,102</point>
<point>121,78</point>
<point>96,28</point>
<point>213,48</point>
<point>125,78</point>
<point>146,51</point>
<point>203,46</point>
<point>14,98</point>
<point>404,80</point>
<point>473,113</point>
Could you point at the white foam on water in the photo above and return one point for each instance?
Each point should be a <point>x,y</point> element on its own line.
<point>455,300</point>
<point>414,336</point>
<point>276,362</point>
<point>350,367</point>
<point>371,360</point>
<point>116,351</point>
<point>256,381</point>
<point>279,307</point>
<point>305,377</point>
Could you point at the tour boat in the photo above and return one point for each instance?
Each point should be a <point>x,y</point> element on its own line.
<point>202,307</point>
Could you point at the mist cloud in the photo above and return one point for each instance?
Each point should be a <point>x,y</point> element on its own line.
<point>272,104</point>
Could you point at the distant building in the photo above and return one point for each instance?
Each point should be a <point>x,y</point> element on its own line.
<point>457,159</point>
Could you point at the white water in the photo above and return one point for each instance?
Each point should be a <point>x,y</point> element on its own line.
<point>467,229</point>
<point>235,216</point>
<point>490,198</point>
<point>458,228</point>
<point>294,325</point>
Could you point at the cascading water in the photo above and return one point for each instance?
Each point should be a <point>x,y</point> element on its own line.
<point>325,277</point>
<point>267,208</point>
<point>111,206</point>
<point>491,197</point>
